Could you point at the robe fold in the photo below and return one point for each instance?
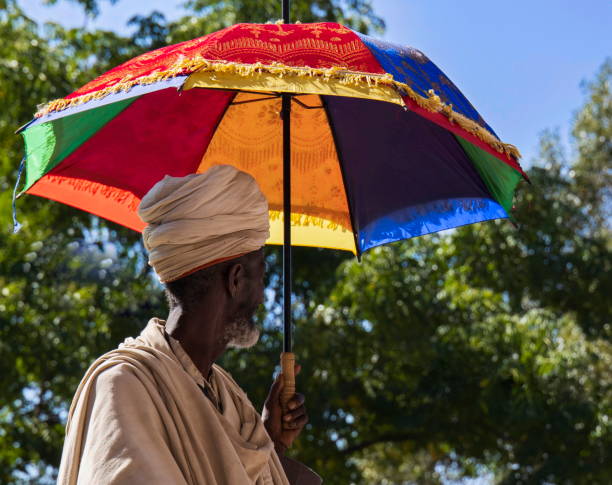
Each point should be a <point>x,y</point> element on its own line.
<point>139,418</point>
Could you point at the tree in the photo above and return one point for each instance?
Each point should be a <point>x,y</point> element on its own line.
<point>592,133</point>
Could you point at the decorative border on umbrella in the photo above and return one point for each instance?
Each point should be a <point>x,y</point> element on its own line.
<point>306,220</point>
<point>311,231</point>
<point>432,103</point>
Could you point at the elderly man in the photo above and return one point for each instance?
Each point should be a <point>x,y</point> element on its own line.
<point>158,410</point>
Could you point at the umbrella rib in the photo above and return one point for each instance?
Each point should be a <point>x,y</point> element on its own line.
<point>271,93</point>
<point>305,106</point>
<point>233,103</point>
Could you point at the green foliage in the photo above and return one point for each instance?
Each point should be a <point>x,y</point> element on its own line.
<point>593,137</point>
<point>484,351</point>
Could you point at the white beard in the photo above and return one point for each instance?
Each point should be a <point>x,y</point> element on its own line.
<point>241,333</point>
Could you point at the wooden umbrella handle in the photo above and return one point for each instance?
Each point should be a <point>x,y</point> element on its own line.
<point>288,371</point>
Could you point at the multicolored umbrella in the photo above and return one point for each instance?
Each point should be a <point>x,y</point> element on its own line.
<point>382,144</point>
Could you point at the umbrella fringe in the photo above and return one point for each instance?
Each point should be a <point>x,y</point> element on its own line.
<point>119,196</point>
<point>431,103</point>
<point>305,220</point>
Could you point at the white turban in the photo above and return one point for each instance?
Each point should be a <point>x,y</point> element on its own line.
<point>200,219</point>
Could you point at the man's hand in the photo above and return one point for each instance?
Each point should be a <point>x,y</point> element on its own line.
<point>284,429</point>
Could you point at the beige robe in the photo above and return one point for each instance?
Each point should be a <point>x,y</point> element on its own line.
<point>138,418</point>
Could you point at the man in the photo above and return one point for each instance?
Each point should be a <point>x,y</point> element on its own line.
<point>157,410</point>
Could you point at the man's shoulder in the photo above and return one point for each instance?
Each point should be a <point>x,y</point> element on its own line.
<point>121,369</point>
<point>117,375</point>
<point>133,356</point>
<point>117,369</point>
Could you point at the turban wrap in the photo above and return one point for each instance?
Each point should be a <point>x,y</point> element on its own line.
<point>201,219</point>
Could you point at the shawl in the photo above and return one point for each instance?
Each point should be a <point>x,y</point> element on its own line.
<point>138,417</point>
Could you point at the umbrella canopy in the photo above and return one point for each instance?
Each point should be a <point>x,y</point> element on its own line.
<point>383,145</point>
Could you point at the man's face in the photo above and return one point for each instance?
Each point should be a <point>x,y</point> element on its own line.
<point>242,331</point>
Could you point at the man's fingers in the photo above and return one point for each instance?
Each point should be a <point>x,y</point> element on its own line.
<point>298,423</point>
<point>297,368</point>
<point>293,415</point>
<point>296,401</point>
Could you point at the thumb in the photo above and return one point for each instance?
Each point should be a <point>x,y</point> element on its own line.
<point>277,387</point>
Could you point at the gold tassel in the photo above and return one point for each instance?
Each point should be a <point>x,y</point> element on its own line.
<point>431,103</point>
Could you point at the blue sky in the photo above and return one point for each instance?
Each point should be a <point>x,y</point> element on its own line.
<point>519,62</point>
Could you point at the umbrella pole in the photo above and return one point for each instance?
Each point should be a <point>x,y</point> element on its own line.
<point>286,115</point>
<point>287,357</point>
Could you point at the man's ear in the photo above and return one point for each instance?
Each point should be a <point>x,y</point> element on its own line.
<point>235,277</point>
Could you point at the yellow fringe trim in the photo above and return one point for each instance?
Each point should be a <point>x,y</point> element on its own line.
<point>431,103</point>
<point>306,220</point>
<point>307,230</point>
